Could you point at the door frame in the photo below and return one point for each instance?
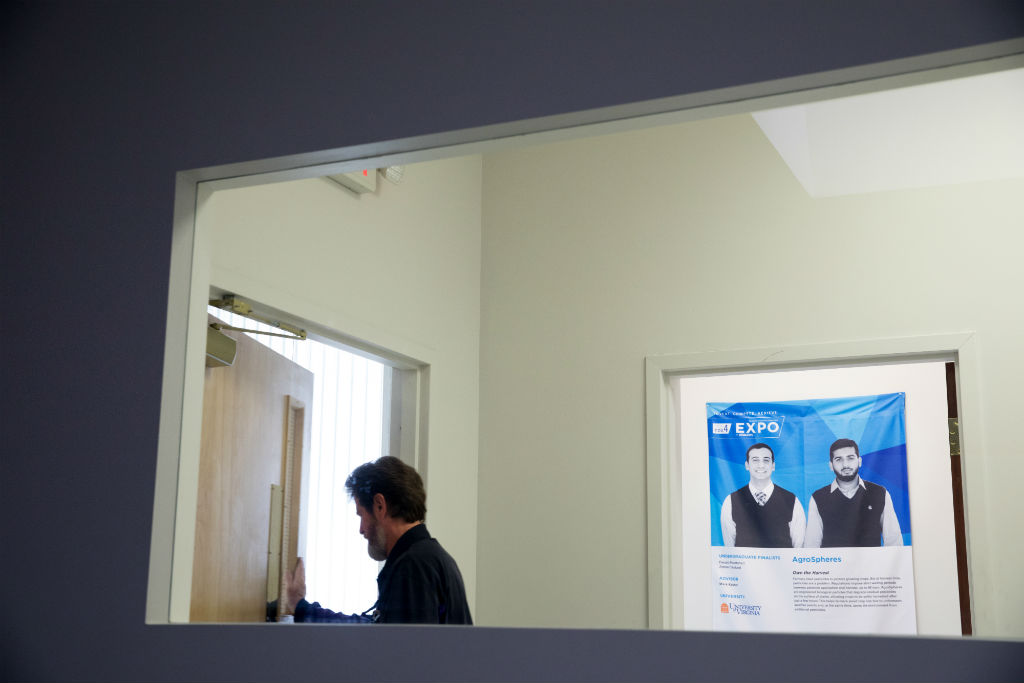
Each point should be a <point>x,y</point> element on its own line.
<point>662,427</point>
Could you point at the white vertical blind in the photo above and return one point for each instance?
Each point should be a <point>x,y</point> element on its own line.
<point>348,429</point>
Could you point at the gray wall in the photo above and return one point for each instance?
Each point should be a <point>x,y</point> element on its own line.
<point>104,102</point>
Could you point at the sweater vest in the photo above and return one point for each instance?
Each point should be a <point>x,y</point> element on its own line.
<point>851,522</point>
<point>762,526</point>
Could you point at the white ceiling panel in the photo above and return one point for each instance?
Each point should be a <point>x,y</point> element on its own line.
<point>958,131</point>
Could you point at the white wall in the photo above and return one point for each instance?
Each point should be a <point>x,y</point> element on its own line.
<point>399,269</point>
<point>597,253</point>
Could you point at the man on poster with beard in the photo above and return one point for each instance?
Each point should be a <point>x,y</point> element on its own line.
<point>420,582</point>
<point>850,512</point>
<point>761,514</point>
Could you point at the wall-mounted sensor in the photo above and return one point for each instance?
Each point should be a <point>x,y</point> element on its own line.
<point>393,174</point>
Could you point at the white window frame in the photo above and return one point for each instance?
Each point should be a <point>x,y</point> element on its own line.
<point>191,186</point>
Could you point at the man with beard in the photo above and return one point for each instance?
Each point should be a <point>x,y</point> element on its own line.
<point>850,512</point>
<point>420,582</point>
<point>761,514</point>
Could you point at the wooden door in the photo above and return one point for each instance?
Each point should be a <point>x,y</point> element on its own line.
<point>244,439</point>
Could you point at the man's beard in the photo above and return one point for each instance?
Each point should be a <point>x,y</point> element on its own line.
<point>376,544</point>
<point>847,478</point>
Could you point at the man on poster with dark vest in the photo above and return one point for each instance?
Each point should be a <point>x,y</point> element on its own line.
<point>850,512</point>
<point>761,514</point>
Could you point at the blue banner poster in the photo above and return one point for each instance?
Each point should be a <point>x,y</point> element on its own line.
<point>810,516</point>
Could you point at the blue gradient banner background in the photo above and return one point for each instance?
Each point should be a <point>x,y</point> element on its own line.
<point>800,433</point>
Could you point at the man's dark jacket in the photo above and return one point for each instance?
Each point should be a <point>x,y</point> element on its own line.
<point>419,584</point>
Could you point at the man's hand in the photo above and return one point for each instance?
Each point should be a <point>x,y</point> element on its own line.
<point>296,586</point>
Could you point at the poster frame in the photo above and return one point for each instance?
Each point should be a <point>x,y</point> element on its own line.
<point>663,481</point>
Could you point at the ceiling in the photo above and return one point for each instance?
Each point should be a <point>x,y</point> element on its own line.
<point>957,131</point>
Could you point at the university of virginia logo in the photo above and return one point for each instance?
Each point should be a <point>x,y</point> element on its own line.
<point>740,608</point>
